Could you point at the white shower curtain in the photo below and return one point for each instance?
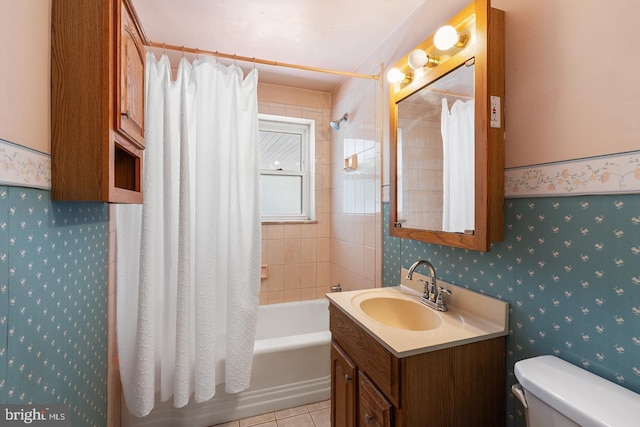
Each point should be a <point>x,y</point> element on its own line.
<point>458,146</point>
<point>189,258</point>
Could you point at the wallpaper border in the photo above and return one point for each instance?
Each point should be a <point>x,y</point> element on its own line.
<point>611,174</point>
<point>24,167</point>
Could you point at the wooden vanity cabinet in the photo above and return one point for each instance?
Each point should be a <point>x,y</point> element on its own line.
<point>459,386</point>
<point>97,101</point>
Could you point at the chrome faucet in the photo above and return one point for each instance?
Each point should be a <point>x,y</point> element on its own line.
<point>432,294</point>
<point>426,293</point>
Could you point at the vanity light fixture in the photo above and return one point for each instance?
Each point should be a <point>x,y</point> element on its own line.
<point>444,39</point>
<point>447,37</point>
<point>418,58</point>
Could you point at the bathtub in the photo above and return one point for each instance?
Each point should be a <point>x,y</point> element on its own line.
<point>291,367</point>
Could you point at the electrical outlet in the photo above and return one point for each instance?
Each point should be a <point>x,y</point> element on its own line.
<point>494,111</point>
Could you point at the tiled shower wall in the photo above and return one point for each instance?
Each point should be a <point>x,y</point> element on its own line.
<point>568,267</point>
<point>53,303</point>
<point>297,255</point>
<point>344,245</point>
<point>356,237</point>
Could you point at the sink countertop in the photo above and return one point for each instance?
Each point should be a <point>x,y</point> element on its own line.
<point>471,317</point>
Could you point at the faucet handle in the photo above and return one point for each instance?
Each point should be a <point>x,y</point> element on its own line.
<point>446,291</point>
<point>425,291</point>
<point>440,297</point>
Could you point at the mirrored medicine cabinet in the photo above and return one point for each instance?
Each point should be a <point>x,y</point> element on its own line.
<point>447,134</point>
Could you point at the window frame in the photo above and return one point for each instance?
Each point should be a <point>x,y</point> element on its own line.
<point>306,129</point>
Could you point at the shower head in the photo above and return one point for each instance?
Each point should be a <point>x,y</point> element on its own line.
<point>335,125</point>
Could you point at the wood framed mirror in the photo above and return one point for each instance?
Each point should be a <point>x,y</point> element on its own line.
<point>447,135</point>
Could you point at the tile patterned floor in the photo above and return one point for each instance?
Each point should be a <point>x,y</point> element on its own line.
<point>311,415</point>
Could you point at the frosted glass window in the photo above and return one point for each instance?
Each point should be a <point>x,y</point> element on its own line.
<point>287,187</point>
<point>281,194</point>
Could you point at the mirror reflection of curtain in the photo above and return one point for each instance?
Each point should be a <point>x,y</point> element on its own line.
<point>458,141</point>
<point>189,258</point>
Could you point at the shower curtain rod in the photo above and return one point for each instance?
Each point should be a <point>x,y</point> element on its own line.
<point>451,93</point>
<point>259,61</point>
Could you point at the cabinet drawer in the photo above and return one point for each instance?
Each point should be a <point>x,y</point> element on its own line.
<point>369,355</point>
<point>374,410</point>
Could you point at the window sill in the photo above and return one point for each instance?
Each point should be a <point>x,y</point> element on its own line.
<point>272,222</point>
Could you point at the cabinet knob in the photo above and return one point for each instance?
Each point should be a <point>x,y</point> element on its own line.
<point>347,378</point>
<point>126,114</point>
<point>368,418</point>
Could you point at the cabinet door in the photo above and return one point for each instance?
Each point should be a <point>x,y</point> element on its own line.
<point>374,410</point>
<point>343,389</point>
<point>132,59</point>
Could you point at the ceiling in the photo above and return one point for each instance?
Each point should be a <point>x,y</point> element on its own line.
<point>329,34</point>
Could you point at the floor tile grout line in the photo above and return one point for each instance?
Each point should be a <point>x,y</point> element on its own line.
<point>276,419</point>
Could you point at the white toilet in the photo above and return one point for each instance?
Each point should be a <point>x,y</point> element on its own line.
<point>556,393</point>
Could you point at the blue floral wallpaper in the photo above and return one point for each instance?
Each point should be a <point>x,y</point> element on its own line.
<point>53,303</point>
<point>570,269</point>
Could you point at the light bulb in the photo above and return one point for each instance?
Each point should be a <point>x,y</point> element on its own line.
<point>446,37</point>
<point>417,59</point>
<point>395,76</point>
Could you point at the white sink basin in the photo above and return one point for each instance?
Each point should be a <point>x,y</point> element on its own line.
<point>396,318</point>
<point>401,313</point>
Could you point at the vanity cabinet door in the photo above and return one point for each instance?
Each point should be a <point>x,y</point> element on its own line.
<point>374,410</point>
<point>343,388</point>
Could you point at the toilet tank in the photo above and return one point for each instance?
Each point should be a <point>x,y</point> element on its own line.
<point>558,394</point>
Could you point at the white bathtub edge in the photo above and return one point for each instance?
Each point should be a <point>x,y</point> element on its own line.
<point>232,407</point>
<point>295,342</point>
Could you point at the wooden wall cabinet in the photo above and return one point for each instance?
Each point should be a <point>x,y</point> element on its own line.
<point>97,101</point>
<point>416,203</point>
<point>454,387</point>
